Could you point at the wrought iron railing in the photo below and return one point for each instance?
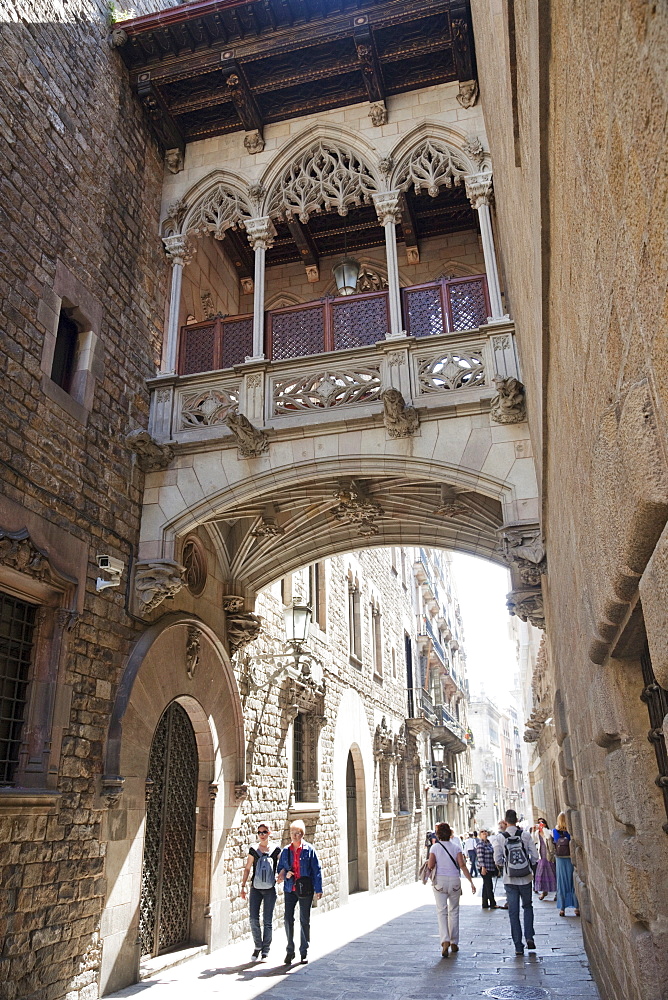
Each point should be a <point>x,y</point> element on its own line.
<point>335,324</point>
<point>447,719</point>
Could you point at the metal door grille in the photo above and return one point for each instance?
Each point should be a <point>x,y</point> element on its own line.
<point>298,757</point>
<point>656,699</point>
<point>169,842</point>
<point>17,625</point>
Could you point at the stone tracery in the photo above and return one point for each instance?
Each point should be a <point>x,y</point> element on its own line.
<point>431,166</point>
<point>221,209</point>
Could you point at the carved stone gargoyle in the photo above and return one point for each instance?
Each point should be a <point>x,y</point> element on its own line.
<point>242,627</point>
<point>509,404</point>
<point>250,441</point>
<point>528,606</point>
<point>155,580</point>
<point>400,420</point>
<point>152,457</point>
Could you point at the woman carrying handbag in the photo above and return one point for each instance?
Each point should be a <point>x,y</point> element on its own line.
<point>446,858</point>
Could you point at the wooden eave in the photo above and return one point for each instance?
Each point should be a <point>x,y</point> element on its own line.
<point>293,57</point>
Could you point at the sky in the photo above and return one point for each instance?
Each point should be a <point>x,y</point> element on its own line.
<point>490,653</point>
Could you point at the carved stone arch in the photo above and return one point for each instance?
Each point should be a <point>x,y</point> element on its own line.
<point>216,203</point>
<point>327,170</point>
<point>452,269</point>
<point>430,145</point>
<point>282,300</point>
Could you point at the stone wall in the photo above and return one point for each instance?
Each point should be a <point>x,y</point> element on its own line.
<point>576,106</point>
<point>80,198</point>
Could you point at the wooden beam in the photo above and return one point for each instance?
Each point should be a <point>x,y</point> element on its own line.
<point>306,247</point>
<point>409,230</point>
<point>369,64</point>
<point>241,96</point>
<point>462,40</point>
<point>167,131</point>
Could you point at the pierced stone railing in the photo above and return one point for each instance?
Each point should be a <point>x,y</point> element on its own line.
<point>450,370</point>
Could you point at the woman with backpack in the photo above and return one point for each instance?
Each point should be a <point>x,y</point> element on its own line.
<point>446,857</point>
<point>562,848</point>
<point>262,859</point>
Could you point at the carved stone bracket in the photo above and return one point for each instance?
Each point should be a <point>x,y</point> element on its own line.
<point>250,441</point>
<point>468,93</point>
<point>240,791</point>
<point>152,457</point>
<point>524,551</point>
<point>112,789</point>
<point>254,141</point>
<point>509,404</point>
<point>451,505</point>
<point>400,420</point>
<point>528,606</point>
<point>378,113</point>
<point>174,161</point>
<point>156,580</point>
<point>242,627</point>
<point>535,725</point>
<point>356,508</point>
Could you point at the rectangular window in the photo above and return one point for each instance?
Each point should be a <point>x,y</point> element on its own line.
<point>377,641</point>
<point>354,625</point>
<point>298,759</point>
<point>64,356</point>
<point>317,595</point>
<point>17,626</point>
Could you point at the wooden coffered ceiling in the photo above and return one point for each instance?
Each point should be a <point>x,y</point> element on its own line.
<point>218,66</point>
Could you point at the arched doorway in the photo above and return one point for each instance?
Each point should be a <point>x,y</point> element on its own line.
<point>351,817</point>
<point>169,841</point>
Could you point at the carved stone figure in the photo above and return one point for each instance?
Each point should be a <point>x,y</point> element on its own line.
<point>118,38</point>
<point>152,457</point>
<point>357,509</point>
<point>174,161</point>
<point>378,113</point>
<point>242,628</point>
<point>256,192</point>
<point>18,552</point>
<point>528,606</point>
<point>192,650</point>
<point>250,441</point>
<point>524,551</point>
<point>385,165</point>
<point>254,141</point>
<point>112,789</point>
<point>208,308</point>
<point>468,93</point>
<point>475,149</point>
<point>509,404</point>
<point>156,580</point>
<point>400,420</point>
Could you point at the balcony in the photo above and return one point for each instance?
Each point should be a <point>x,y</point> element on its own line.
<point>448,731</point>
<point>420,705</point>
<point>334,324</point>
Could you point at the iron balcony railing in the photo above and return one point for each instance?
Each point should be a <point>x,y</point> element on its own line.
<point>334,324</point>
<point>447,719</point>
<point>420,704</point>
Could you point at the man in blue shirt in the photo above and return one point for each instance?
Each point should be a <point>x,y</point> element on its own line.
<point>299,869</point>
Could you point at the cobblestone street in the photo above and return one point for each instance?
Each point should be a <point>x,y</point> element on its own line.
<point>387,945</point>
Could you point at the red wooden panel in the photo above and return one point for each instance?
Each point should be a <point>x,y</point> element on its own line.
<point>297,331</point>
<point>358,320</point>
<point>423,306</point>
<point>468,304</point>
<point>197,348</point>
<point>237,340</point>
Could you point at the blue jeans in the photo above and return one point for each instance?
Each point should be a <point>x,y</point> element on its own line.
<point>267,899</point>
<point>513,895</point>
<point>291,900</point>
<point>473,861</point>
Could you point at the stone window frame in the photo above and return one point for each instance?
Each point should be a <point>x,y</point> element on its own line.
<point>27,574</point>
<point>354,621</point>
<point>69,294</point>
<point>377,639</point>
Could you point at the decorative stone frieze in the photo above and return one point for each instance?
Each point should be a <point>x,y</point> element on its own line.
<point>431,166</point>
<point>179,250</point>
<point>155,581</point>
<point>323,178</point>
<point>479,188</point>
<point>528,606</point>
<point>400,420</point>
<point>509,404</point>
<point>250,441</point>
<point>356,508</point>
<point>151,456</point>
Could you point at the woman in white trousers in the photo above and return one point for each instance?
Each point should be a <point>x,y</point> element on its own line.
<point>447,858</point>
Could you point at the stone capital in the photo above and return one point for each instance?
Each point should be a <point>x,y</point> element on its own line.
<point>387,207</point>
<point>260,232</point>
<point>178,249</point>
<point>479,188</point>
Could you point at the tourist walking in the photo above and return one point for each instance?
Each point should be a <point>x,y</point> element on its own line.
<point>470,845</point>
<point>262,860</point>
<point>447,858</point>
<point>516,852</point>
<point>545,880</point>
<point>487,866</point>
<point>562,848</point>
<point>299,869</point>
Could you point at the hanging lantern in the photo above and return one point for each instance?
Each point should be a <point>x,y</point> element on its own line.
<point>297,621</point>
<point>346,273</point>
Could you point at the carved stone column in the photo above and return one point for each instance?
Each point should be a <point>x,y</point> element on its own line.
<point>389,214</point>
<point>261,235</point>
<point>180,253</point>
<point>479,192</point>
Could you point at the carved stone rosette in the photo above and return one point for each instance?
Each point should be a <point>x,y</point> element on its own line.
<point>400,420</point>
<point>156,580</point>
<point>152,457</point>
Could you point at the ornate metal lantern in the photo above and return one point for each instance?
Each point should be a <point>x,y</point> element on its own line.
<point>297,617</point>
<point>346,273</point>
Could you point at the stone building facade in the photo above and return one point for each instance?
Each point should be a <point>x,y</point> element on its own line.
<point>575,105</point>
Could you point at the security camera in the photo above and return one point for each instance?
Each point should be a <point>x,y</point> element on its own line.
<point>113,568</point>
<point>111,565</point>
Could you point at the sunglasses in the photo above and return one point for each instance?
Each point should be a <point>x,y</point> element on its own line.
<point>262,832</point>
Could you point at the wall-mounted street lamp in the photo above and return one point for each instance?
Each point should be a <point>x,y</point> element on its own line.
<point>297,619</point>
